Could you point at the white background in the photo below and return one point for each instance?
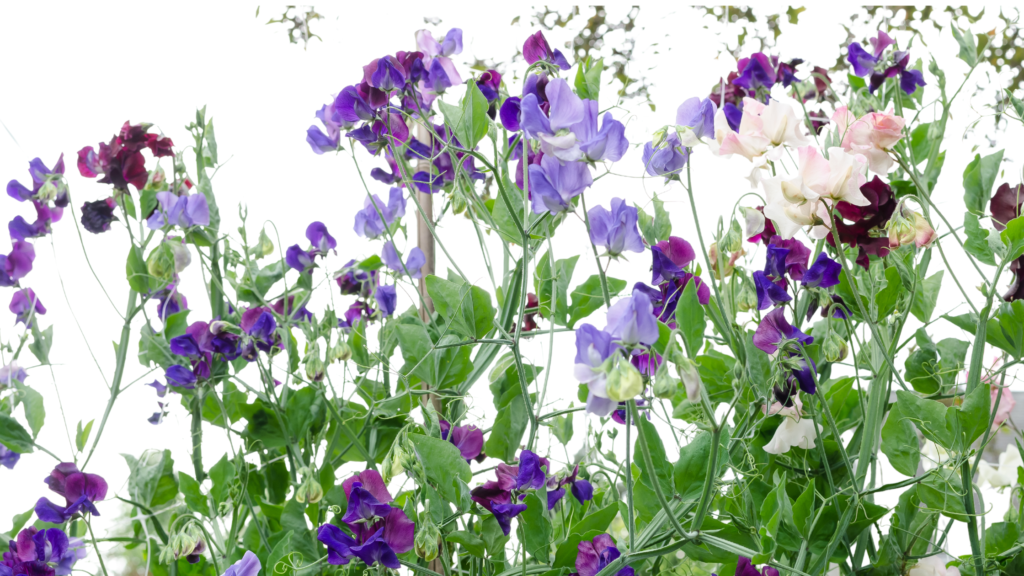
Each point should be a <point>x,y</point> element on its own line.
<point>74,74</point>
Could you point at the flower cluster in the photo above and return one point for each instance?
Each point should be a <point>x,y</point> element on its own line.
<point>45,552</point>
<point>879,68</point>
<point>377,531</point>
<point>80,491</point>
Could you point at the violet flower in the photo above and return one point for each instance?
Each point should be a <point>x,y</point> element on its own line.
<point>354,280</point>
<point>299,259</point>
<point>97,216</point>
<point>179,376</point>
<point>169,301</point>
<point>593,349</point>
<point>666,159</point>
<point>581,488</point>
<point>774,328</point>
<point>791,258</point>
<point>17,264</point>
<point>8,457</point>
<point>489,83</point>
<point>387,299</point>
<point>553,185</point>
<point>368,221</point>
<point>47,185</point>
<point>24,305</point>
<point>824,273</point>
<point>249,565</point>
<point>12,373</point>
<point>757,71</point>
<point>607,143</point>
<point>864,62</point>
<point>592,556</point>
<point>33,550</point>
<point>414,264</point>
<point>768,293</point>
<point>631,321</point>
<point>343,112</point>
<point>183,211</point>
<point>536,48</point>
<point>79,489</point>
<point>745,568</point>
<point>389,74</point>
<point>379,531</point>
<point>468,439</point>
<point>320,238</point>
<point>616,231</point>
<point>510,114</point>
<point>698,116</point>
<point>554,126</point>
<point>20,229</point>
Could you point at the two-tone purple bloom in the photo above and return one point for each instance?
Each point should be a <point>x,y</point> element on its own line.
<point>79,489</point>
<point>616,230</point>
<point>347,108</point>
<point>17,263</point>
<point>375,217</point>
<point>592,556</point>
<point>500,496</point>
<point>261,327</point>
<point>184,211</point>
<point>47,185</point>
<point>757,71</point>
<point>46,552</point>
<point>553,185</point>
<point>357,311</point>
<point>866,63</point>
<point>669,261</point>
<point>440,72</point>
<point>667,158</point>
<point>20,229</point>
<point>354,280</point>
<point>594,348</point>
<point>378,532</point>
<point>774,329</point>
<point>468,439</point>
<point>414,264</point>
<point>581,488</point>
<point>553,124</point>
<point>536,48</point>
<point>320,240</point>
<point>24,305</point>
<point>169,301</point>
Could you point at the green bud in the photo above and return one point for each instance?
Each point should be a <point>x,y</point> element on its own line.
<point>835,348</point>
<point>624,380</point>
<point>690,376</point>
<point>314,365</point>
<point>264,247</point>
<point>341,352</point>
<point>665,385</point>
<point>659,136</point>
<point>428,538</point>
<point>309,491</point>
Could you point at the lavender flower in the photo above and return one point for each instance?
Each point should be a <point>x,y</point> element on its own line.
<point>554,128</point>
<point>8,457</point>
<point>698,118</point>
<point>249,565</point>
<point>593,349</point>
<point>667,158</point>
<point>607,143</point>
<point>47,185</point>
<point>553,185</point>
<point>414,264</point>
<point>320,238</point>
<point>510,114</point>
<point>183,211</point>
<point>299,259</point>
<point>368,221</point>
<point>616,231</point>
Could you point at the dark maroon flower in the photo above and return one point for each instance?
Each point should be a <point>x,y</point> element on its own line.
<point>120,161</point>
<point>1006,204</point>
<point>97,216</point>
<point>866,220</point>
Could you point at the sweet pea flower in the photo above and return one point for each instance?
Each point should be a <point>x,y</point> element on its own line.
<point>769,293</point>
<point>695,121</point>
<point>757,71</point>
<point>631,321</point>
<point>20,229</point>
<point>468,439</point>
<point>368,221</point>
<point>745,568</point>
<point>184,211</point>
<point>774,328</point>
<point>581,489</point>
<point>593,349</point>
<point>120,162</point>
<point>347,108</point>
<point>824,273</point>
<point>97,216</point>
<point>387,299</point>
<point>24,305</point>
<point>353,280</point>
<point>607,143</point>
<point>1006,405</point>
<point>536,48</point>
<point>863,62</point>
<point>79,489</point>
<point>1006,472</point>
<point>414,264</point>
<point>298,259</point>
<point>17,264</point>
<point>380,531</point>
<point>616,231</point>
<point>553,185</point>
<point>793,433</point>
<point>47,185</point>
<point>934,566</point>
<point>593,555</point>
<point>909,227</point>
<point>249,565</point>
<point>510,114</point>
<point>8,457</point>
<point>871,135</point>
<point>667,158</point>
<point>554,129</point>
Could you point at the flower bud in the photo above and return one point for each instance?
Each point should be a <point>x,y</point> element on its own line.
<point>691,379</point>
<point>659,136</point>
<point>754,222</point>
<point>906,227</point>
<point>665,385</point>
<point>835,348</point>
<point>624,380</point>
<point>341,352</point>
<point>309,491</point>
<point>314,365</point>
<point>264,247</point>
<point>427,538</point>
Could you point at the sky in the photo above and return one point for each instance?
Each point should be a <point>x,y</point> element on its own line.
<point>74,81</point>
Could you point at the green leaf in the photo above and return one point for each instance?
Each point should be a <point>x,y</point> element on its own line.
<point>561,427</point>
<point>899,443</point>
<point>82,435</point>
<point>469,541</point>
<point>510,425</point>
<point>968,48</point>
<point>42,341</point>
<point>597,521</point>
<point>979,176</point>
<point>553,284</point>
<point>941,490</point>
<point>690,319</point>
<point>692,467</point>
<point>928,415</point>
<point>35,412</point>
<point>536,528</point>
<point>656,228</point>
<point>1013,237</point>
<point>662,466</point>
<point>888,297</point>
<point>804,512</point>
<point>977,243</point>
<point>972,415</point>
<point>151,481</point>
<point>281,550</point>
<point>469,120</point>
<point>223,477</point>
<point>1004,331</point>
<point>468,308</point>
<point>14,436</point>
<point>441,461</point>
<point>926,296</point>
<point>211,144</point>
<point>1000,537</point>
<point>136,271</point>
<point>194,497</point>
<point>19,520</point>
<point>588,78</point>
<point>587,297</point>
<point>922,370</point>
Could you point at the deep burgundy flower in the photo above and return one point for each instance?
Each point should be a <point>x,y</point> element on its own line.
<point>97,216</point>
<point>1006,204</point>
<point>865,219</point>
<point>120,162</point>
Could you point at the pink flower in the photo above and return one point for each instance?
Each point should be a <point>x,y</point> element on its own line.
<point>872,135</point>
<point>1006,404</point>
<point>749,142</point>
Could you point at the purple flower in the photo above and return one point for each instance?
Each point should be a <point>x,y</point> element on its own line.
<point>608,143</point>
<point>351,107</point>
<point>697,115</point>
<point>97,216</point>
<point>185,345</point>
<point>369,223</point>
<point>768,293</point>
<point>745,568</point>
<point>553,184</point>
<point>12,373</point>
<point>733,115</point>
<point>774,328</point>
<point>536,48</point>
<point>790,257</point>
<point>347,108</point>
<point>17,264</point>
<point>169,301</point>
<point>183,211</point>
<point>468,439</point>
<point>592,556</point>
<point>616,231</point>
<point>353,280</point>
<point>531,471</point>
<point>593,348</point>
<point>47,185</point>
<point>249,565</point>
<point>389,74</point>
<point>47,511</point>
<point>509,114</point>
<point>556,125</point>
<point>426,182</point>
<point>393,261</point>
<point>299,259</point>
<point>679,251</point>
<point>504,513</point>
<point>775,261</point>
<point>864,62</point>
<point>79,489</point>
<point>631,321</point>
<point>910,79</point>
<point>756,72</point>
<point>24,305</point>
<point>387,299</point>
<point>379,531</point>
<point>179,376</point>
<point>667,159</point>
<point>582,490</point>
<point>489,83</point>
<point>824,273</point>
<point>8,457</point>
<point>33,550</point>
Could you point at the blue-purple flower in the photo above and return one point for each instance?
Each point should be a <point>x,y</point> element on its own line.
<point>387,299</point>
<point>593,555</point>
<point>554,125</point>
<point>593,349</point>
<point>581,489</point>
<point>553,185</point>
<point>20,229</point>
<point>378,532</point>
<point>174,210</point>
<point>667,158</point>
<point>866,63</point>
<point>8,457</point>
<point>536,48</point>
<point>414,264</point>
<point>616,230</point>
<point>607,143</point>
<point>34,550</point>
<point>369,221</point>
<point>500,496</point>
<point>824,273</point>
<point>47,185</point>
<point>757,71</point>
<point>769,293</point>
<point>695,120</point>
<point>299,259</point>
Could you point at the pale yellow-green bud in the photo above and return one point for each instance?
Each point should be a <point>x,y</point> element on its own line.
<point>665,385</point>
<point>835,348</point>
<point>309,491</point>
<point>314,365</point>
<point>264,247</point>
<point>341,352</point>
<point>624,380</point>
<point>427,539</point>
<point>690,376</point>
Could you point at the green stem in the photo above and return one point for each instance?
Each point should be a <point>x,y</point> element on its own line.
<point>649,465</point>
<point>197,434</point>
<point>972,524</point>
<point>600,269</point>
<point>630,522</point>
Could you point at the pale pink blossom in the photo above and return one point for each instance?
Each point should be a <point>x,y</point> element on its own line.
<point>748,142</point>
<point>1006,404</point>
<point>795,411</point>
<point>761,125</point>
<point>871,135</point>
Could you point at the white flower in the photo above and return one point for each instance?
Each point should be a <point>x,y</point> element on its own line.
<point>934,455</point>
<point>1006,473</point>
<point>799,433</point>
<point>934,566</point>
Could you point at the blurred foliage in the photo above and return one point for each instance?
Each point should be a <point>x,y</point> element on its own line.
<point>299,22</point>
